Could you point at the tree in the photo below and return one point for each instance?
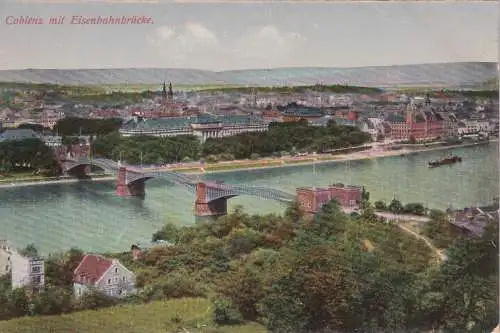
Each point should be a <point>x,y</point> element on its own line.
<point>293,212</point>
<point>462,293</point>
<point>395,207</point>
<point>414,208</point>
<point>59,268</point>
<point>380,205</point>
<point>169,232</point>
<point>29,251</point>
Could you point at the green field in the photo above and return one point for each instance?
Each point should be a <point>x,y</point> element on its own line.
<point>192,314</point>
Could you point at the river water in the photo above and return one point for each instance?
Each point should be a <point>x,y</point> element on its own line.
<point>90,216</point>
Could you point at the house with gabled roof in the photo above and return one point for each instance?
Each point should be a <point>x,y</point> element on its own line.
<point>105,275</point>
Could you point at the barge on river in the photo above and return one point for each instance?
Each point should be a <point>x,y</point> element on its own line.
<point>445,161</point>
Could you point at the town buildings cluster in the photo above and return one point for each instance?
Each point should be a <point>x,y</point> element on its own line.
<point>213,114</point>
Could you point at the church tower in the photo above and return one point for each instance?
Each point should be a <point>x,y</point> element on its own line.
<point>170,93</point>
<point>164,92</point>
<point>410,112</point>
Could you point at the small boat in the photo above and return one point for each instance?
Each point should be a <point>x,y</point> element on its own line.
<point>445,161</point>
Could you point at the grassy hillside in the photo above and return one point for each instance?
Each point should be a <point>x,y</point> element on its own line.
<point>291,273</point>
<point>193,314</point>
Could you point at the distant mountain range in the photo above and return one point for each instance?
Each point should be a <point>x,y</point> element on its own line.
<point>465,74</point>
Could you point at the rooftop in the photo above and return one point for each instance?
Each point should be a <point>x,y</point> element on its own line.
<point>395,118</point>
<point>184,122</point>
<point>91,268</point>
<point>18,134</point>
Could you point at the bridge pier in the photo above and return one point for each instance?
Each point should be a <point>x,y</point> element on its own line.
<point>123,189</point>
<point>205,208</point>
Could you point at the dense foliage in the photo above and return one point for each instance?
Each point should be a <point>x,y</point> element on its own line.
<point>147,149</point>
<point>287,137</point>
<point>85,126</point>
<point>30,155</point>
<point>281,138</point>
<point>294,273</point>
<point>33,156</point>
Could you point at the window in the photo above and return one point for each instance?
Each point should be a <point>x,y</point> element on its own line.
<point>35,269</point>
<point>109,281</point>
<point>36,280</point>
<point>116,270</point>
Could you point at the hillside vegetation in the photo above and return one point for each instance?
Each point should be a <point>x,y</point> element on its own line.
<point>290,273</point>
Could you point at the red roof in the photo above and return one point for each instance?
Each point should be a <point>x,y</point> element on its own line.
<point>91,268</point>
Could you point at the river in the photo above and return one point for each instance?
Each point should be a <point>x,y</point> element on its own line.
<point>90,216</point>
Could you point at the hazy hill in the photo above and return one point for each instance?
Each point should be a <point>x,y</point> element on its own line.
<point>445,75</point>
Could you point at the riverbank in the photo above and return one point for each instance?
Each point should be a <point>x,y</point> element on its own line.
<point>246,165</point>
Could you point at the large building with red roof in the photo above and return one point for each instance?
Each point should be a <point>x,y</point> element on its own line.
<point>104,275</point>
<point>417,122</point>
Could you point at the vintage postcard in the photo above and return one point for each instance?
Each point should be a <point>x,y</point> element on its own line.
<point>248,167</point>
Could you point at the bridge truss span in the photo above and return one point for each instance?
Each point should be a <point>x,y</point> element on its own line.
<point>108,166</point>
<point>211,196</point>
<point>221,190</point>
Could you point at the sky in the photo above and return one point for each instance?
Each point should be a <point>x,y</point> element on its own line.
<point>227,36</point>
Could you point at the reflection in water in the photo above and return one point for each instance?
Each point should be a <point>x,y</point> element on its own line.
<point>91,216</point>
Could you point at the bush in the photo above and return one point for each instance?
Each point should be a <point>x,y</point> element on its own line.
<point>254,156</point>
<point>176,286</point>
<point>94,300</point>
<point>225,313</point>
<point>212,159</point>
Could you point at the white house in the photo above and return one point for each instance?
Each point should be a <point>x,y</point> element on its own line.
<point>25,271</point>
<point>474,126</point>
<point>373,126</point>
<point>102,274</point>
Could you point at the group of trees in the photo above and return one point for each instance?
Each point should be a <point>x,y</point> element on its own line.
<point>293,273</point>
<point>396,207</point>
<point>27,155</point>
<point>282,138</point>
<point>333,272</point>
<point>287,137</point>
<point>147,149</point>
<point>72,126</point>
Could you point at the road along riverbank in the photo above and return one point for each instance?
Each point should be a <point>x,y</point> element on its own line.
<point>243,165</point>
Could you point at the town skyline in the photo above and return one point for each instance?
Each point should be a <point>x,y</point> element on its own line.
<point>228,36</point>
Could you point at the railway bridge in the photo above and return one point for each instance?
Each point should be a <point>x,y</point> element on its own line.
<point>211,196</point>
